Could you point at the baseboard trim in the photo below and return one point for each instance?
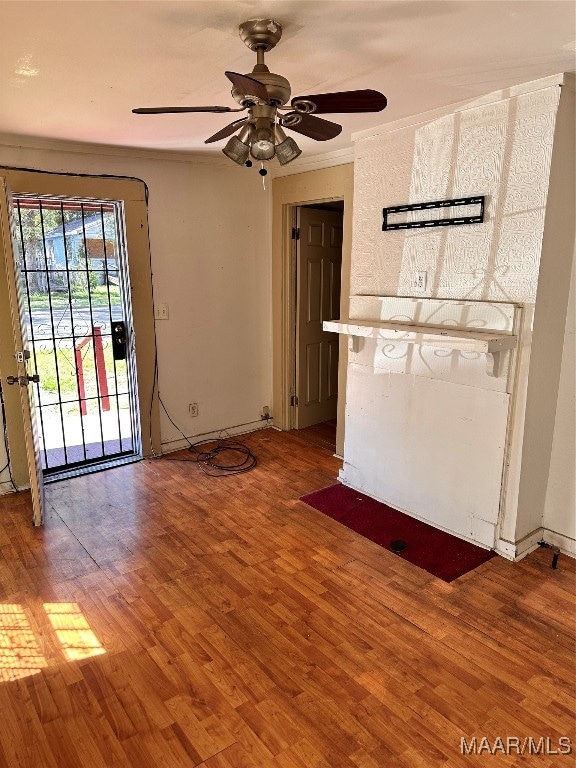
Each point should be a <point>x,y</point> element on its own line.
<point>170,446</point>
<point>344,480</point>
<point>566,543</point>
<point>517,550</point>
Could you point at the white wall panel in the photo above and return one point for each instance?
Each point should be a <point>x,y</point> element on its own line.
<point>429,448</point>
<point>427,429</point>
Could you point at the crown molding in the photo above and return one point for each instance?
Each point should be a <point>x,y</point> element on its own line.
<point>16,141</point>
<point>314,162</point>
<point>300,165</point>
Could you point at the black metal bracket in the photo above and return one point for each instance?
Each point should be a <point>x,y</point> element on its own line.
<point>478,218</point>
<point>556,550</point>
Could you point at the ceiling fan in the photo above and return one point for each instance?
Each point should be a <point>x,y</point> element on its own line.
<point>264,96</point>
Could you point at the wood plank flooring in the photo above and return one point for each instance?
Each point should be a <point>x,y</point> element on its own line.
<point>165,618</point>
<point>323,434</point>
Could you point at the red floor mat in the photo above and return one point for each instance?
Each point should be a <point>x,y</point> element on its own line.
<point>437,552</point>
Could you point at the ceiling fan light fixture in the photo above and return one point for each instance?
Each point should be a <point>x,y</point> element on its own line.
<point>286,148</point>
<point>236,150</point>
<point>262,146</point>
<point>287,151</point>
<point>262,149</point>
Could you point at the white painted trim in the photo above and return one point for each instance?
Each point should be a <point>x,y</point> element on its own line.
<point>16,141</point>
<point>301,165</point>
<point>314,162</point>
<point>516,551</point>
<point>462,106</point>
<point>566,543</point>
<point>520,549</point>
<point>169,446</point>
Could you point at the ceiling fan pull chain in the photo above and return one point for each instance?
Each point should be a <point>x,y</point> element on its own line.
<point>263,172</point>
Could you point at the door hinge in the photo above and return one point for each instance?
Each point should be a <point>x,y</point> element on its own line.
<point>294,400</point>
<point>295,233</point>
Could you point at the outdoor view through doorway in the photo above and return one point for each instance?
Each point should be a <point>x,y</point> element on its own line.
<point>75,298</point>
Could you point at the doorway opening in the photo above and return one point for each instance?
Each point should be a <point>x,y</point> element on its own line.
<point>318,267</point>
<point>76,305</point>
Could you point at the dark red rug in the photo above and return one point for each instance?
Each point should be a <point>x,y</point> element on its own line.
<point>437,552</point>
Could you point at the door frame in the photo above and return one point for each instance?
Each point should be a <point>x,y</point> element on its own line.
<point>12,301</point>
<point>300,281</point>
<point>132,193</point>
<point>289,193</point>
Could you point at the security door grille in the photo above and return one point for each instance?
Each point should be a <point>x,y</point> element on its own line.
<point>75,293</point>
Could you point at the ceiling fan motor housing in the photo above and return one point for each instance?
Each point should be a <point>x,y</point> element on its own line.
<point>278,87</point>
<point>261,35</point>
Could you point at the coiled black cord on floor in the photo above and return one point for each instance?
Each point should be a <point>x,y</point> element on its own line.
<point>224,456</point>
<point>212,459</point>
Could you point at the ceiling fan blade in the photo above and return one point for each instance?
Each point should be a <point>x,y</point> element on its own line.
<point>226,131</point>
<point>165,110</point>
<point>248,86</point>
<point>312,126</point>
<point>344,101</point>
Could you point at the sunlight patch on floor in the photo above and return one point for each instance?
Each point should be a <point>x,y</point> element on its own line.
<point>78,641</point>
<point>20,651</point>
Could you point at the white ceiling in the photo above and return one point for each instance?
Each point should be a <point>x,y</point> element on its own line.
<point>74,70</point>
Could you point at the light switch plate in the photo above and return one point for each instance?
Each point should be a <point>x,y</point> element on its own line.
<point>161,311</point>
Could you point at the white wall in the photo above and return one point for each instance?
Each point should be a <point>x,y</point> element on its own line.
<point>445,461</point>
<point>500,149</point>
<point>210,243</point>
<point>547,455</point>
<point>560,509</point>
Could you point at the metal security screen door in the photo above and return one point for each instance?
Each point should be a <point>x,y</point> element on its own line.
<point>74,288</point>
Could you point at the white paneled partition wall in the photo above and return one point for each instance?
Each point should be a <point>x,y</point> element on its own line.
<point>439,368</point>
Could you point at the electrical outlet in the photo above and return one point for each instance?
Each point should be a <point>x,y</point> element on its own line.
<point>193,409</point>
<point>161,311</point>
<point>420,280</point>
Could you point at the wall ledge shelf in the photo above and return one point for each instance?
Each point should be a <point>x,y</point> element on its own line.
<point>463,340</point>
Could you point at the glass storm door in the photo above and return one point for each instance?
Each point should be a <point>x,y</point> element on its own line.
<point>74,288</point>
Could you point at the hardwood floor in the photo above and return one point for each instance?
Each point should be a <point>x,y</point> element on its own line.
<point>323,434</point>
<point>165,618</point>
